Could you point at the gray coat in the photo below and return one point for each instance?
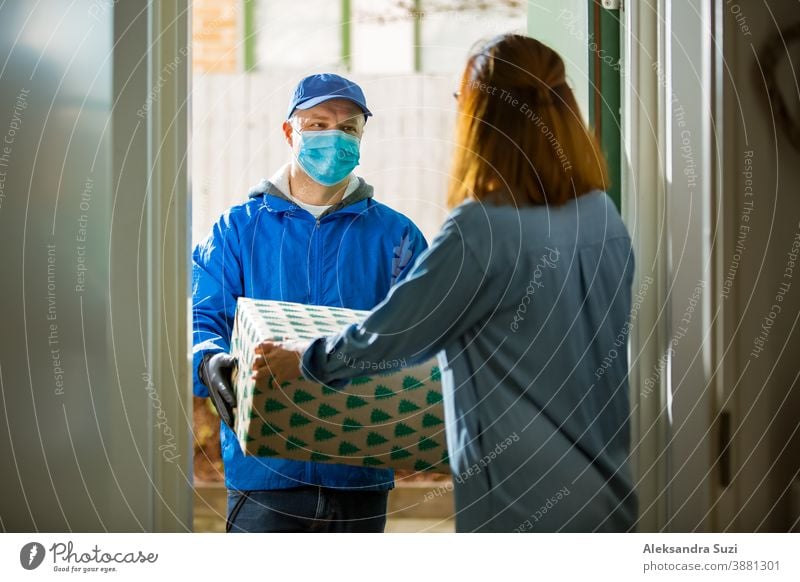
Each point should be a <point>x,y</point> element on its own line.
<point>527,309</point>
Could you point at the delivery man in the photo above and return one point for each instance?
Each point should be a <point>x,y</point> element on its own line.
<point>311,234</point>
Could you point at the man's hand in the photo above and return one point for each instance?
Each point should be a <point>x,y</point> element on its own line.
<point>278,360</point>
<point>215,371</point>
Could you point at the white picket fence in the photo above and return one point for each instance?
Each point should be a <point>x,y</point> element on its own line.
<point>406,150</point>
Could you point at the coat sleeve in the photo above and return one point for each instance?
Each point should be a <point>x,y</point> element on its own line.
<point>216,285</point>
<point>446,292</point>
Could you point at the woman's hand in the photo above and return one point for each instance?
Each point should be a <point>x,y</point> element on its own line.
<point>278,360</point>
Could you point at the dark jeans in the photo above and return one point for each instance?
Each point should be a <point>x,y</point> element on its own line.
<point>306,509</point>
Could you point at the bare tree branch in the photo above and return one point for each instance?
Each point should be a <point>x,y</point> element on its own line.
<point>407,9</point>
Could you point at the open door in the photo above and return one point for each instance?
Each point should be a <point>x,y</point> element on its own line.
<point>94,220</point>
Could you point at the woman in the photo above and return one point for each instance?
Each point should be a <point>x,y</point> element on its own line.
<point>524,295</point>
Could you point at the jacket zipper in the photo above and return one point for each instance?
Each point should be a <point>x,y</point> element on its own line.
<point>313,476</point>
<point>318,266</point>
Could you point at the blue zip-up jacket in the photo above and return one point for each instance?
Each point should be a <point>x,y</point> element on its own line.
<point>270,248</point>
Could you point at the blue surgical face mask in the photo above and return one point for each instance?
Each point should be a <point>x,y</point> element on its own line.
<point>327,156</point>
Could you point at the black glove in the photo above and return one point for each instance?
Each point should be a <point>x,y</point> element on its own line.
<point>215,371</point>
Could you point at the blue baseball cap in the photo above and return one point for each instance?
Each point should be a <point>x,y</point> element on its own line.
<point>316,89</point>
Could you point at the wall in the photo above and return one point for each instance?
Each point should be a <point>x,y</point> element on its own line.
<point>217,39</point>
<point>759,343</point>
<point>54,418</point>
<point>564,26</point>
<point>93,377</point>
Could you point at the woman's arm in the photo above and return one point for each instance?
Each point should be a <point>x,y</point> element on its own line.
<point>447,292</point>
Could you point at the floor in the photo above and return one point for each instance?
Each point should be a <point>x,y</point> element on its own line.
<point>413,508</point>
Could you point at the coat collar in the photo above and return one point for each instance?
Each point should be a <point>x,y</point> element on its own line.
<point>274,200</point>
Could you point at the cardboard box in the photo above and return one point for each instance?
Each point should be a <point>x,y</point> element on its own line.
<point>393,420</point>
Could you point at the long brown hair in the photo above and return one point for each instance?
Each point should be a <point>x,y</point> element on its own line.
<point>520,137</point>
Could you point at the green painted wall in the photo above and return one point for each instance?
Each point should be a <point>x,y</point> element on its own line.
<point>568,27</point>
<point>605,75</point>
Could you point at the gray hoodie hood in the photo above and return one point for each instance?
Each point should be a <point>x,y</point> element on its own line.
<point>364,191</point>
